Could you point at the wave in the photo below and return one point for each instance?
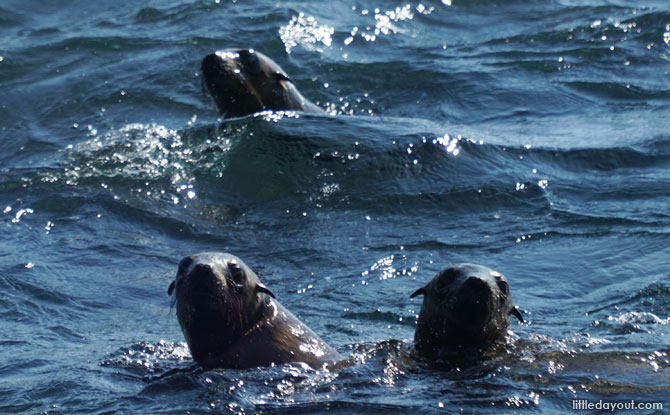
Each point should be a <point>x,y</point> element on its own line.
<point>283,155</point>
<point>187,181</point>
<point>265,158</point>
<point>618,91</point>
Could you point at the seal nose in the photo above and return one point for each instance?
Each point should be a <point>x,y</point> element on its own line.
<point>476,286</point>
<point>474,299</point>
<point>202,270</point>
<point>210,62</point>
<point>249,59</point>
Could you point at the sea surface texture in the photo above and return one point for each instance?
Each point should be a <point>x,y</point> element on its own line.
<point>532,137</point>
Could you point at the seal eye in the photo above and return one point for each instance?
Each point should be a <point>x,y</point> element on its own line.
<point>250,61</point>
<point>503,285</point>
<point>236,273</point>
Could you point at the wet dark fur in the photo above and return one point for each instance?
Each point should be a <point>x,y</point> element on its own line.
<point>245,81</point>
<point>230,320</point>
<point>465,310</point>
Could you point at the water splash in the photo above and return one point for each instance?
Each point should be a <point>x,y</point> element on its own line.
<point>307,32</point>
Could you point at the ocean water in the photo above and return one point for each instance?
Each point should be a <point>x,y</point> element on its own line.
<point>531,137</point>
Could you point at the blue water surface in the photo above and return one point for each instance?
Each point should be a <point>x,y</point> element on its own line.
<point>532,137</point>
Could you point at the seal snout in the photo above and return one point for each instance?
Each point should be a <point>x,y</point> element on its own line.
<point>197,275</point>
<point>216,75</point>
<point>476,284</point>
<point>472,301</point>
<point>210,63</point>
<point>476,290</point>
<point>202,270</point>
<point>250,60</point>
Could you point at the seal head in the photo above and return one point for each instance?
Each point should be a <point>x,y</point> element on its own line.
<point>230,319</point>
<point>218,298</point>
<point>244,81</point>
<point>465,308</point>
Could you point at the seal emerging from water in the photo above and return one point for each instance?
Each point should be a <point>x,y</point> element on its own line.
<point>244,81</point>
<point>231,320</point>
<point>465,309</point>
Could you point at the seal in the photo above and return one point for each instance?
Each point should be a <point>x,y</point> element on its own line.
<point>465,310</point>
<point>231,320</point>
<point>244,81</point>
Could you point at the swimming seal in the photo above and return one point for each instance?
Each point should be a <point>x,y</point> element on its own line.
<point>231,320</point>
<point>465,309</point>
<point>245,81</point>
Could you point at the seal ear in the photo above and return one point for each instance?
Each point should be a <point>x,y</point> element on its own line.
<point>283,77</point>
<point>420,291</point>
<point>260,288</point>
<point>171,288</point>
<point>516,313</point>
